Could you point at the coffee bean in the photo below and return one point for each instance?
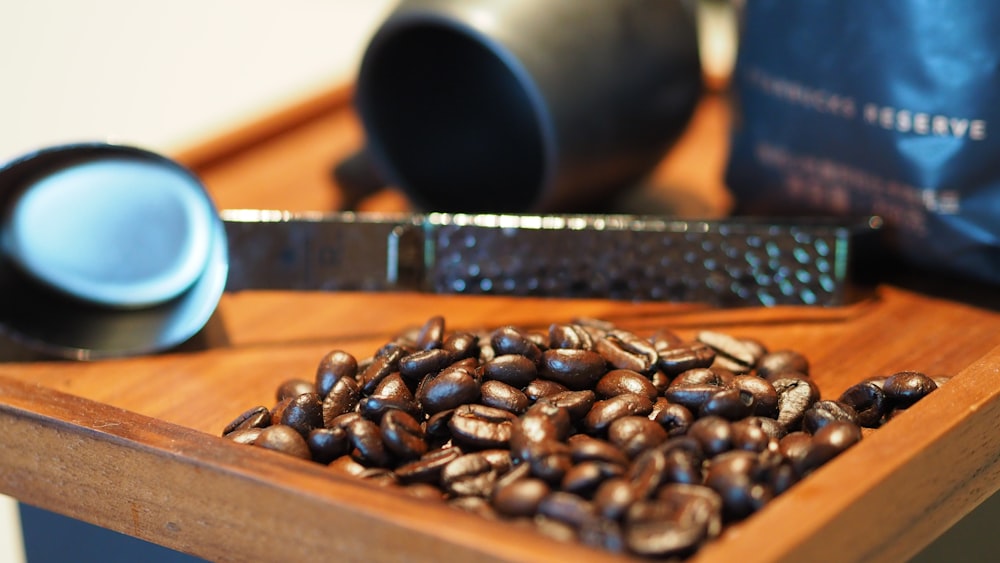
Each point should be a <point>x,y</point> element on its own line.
<point>257,417</point>
<point>284,439</point>
<point>447,390</point>
<point>584,448</point>
<point>461,345</point>
<point>567,508</point>
<point>541,388</point>
<point>402,435</point>
<point>603,413</point>
<point>749,434</point>
<point>583,478</point>
<point>780,363</point>
<point>680,358</point>
<point>569,336</point>
<point>635,434</point>
<point>745,353</point>
<point>904,388</point>
<point>469,475</point>
<point>691,396</point>
<point>480,426</point>
<point>714,434</point>
<point>521,497</point>
<point>245,436</point>
<point>576,403</point>
<point>335,365</point>
<point>613,497</point>
<point>682,466</point>
<point>868,401</point>
<point>765,398</point>
<point>602,533</point>
<point>795,396</point>
<point>391,393</point>
<point>731,404</point>
<point>424,362</point>
<point>625,350</point>
<point>342,398</point>
<point>825,411</point>
<point>542,423</point>
<point>647,472</point>
<point>327,444</point>
<point>304,413</point>
<point>431,333</point>
<point>510,340</point>
<point>618,381</point>
<point>502,396</point>
<point>428,468</point>
<point>369,449</point>
<point>673,417</point>
<point>830,441</point>
<point>291,388</point>
<point>704,376</point>
<point>513,369</point>
<point>732,476</point>
<point>576,369</point>
<point>654,529</point>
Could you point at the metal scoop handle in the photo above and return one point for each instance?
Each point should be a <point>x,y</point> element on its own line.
<point>730,262</point>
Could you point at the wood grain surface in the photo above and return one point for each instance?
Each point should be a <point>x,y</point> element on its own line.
<point>133,444</point>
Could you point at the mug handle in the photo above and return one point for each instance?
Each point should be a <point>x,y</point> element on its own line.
<point>358,177</point>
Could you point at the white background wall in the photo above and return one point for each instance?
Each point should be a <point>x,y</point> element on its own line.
<point>162,75</point>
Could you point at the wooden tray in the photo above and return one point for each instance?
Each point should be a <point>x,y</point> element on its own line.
<point>133,444</point>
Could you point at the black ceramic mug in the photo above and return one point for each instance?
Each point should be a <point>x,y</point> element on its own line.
<point>507,106</point>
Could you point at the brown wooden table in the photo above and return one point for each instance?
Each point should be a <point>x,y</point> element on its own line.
<point>133,445</point>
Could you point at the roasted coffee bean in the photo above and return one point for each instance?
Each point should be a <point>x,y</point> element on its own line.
<point>469,475</point>
<point>824,412</point>
<point>245,436</point>
<point>618,381</point>
<point>603,413</point>
<point>576,403</point>
<point>682,466</point>
<point>828,442</point>
<point>794,445</point>
<point>402,435</point>
<point>447,390</point>
<point>664,339</point>
<point>781,363</point>
<point>461,345</point>
<point>602,533</point>
<point>431,333</point>
<point>347,466</point>
<point>279,409</point>
<point>576,369</point>
<point>480,427</point>
<point>584,448</point>
<point>732,404</point>
<point>428,468</point>
<point>715,377</point>
<point>745,353</point>
<point>327,444</point>
<point>257,417</point>
<point>513,369</point>
<point>567,508</point>
<point>284,439</point>
<point>673,417</point>
<point>291,388</point>
<point>714,434</point>
<point>391,393</point>
<point>542,423</point>
<point>369,449</point>
<point>635,434</point>
<point>549,461</point>
<point>304,413</point>
<point>749,434</point>
<point>904,388</point>
<point>732,476</point>
<point>510,340</point>
<point>379,369</point>
<point>424,492</point>
<point>342,398</point>
<point>683,357</point>
<point>502,396</point>
<point>569,336</point>
<point>695,502</point>
<point>868,401</point>
<point>691,396</point>
<point>654,529</point>
<point>334,366</point>
<point>424,362</point>
<point>583,478</point>
<point>344,421</point>
<point>795,396</point>
<point>647,472</point>
<point>521,497</point>
<point>625,350</point>
<point>541,388</point>
<point>764,396</point>
<point>474,505</point>
<point>613,497</point>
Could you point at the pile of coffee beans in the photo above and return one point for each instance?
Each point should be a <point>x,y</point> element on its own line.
<point>586,432</point>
